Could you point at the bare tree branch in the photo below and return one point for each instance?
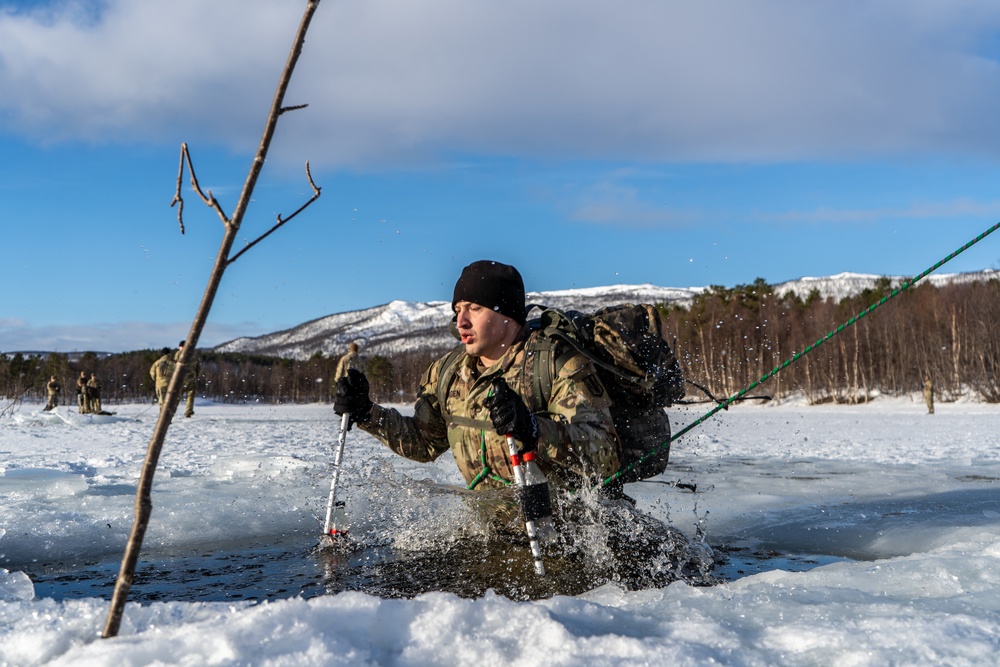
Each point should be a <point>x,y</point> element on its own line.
<point>281,221</point>
<point>178,199</point>
<point>17,397</point>
<point>143,501</point>
<point>209,200</point>
<point>293,108</point>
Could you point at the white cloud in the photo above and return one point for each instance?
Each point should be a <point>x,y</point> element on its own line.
<point>397,81</point>
<point>145,70</point>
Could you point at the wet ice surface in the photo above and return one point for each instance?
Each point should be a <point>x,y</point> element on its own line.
<point>828,522</point>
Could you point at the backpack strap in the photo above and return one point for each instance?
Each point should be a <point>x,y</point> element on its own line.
<point>541,376</point>
<point>449,367</point>
<point>468,422</point>
<point>548,358</point>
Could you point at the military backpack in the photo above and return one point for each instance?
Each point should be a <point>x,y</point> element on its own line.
<point>634,362</point>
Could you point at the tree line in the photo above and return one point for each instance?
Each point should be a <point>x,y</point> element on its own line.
<point>224,377</point>
<point>730,337</point>
<point>726,339</point>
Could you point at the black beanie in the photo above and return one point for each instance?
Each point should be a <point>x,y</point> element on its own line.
<point>493,285</point>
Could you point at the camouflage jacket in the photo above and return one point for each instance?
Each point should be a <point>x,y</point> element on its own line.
<point>192,372</point>
<point>346,363</point>
<point>577,440</point>
<point>161,370</point>
<point>54,387</point>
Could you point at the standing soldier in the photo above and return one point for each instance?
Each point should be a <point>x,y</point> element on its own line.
<point>81,393</point>
<point>929,394</point>
<point>54,389</point>
<point>350,360</point>
<point>190,380</point>
<point>160,371</point>
<point>94,395</point>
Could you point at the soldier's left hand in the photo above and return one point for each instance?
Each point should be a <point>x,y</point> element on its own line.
<point>510,416</point>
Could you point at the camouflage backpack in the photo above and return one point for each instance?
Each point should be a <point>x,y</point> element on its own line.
<point>164,369</point>
<point>636,366</point>
<point>634,363</point>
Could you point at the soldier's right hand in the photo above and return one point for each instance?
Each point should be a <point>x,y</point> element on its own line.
<point>352,396</point>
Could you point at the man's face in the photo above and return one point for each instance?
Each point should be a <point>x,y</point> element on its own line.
<point>484,332</point>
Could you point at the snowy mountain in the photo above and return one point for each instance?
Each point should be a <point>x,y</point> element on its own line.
<point>404,326</point>
<point>847,284</point>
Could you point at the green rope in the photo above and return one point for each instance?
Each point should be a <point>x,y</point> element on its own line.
<point>724,405</point>
<point>487,471</point>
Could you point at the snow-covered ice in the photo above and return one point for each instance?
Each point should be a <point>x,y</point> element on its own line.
<point>902,507</point>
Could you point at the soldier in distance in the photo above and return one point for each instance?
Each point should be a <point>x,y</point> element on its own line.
<point>93,390</point>
<point>54,389</point>
<point>81,393</point>
<point>350,360</point>
<point>160,372</point>
<point>190,380</point>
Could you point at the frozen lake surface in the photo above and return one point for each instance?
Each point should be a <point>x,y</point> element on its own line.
<point>848,535</point>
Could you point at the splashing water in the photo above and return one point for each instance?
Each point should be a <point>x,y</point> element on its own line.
<point>421,536</point>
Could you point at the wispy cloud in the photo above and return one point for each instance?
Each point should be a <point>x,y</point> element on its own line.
<point>20,335</point>
<point>620,205</point>
<point>960,208</point>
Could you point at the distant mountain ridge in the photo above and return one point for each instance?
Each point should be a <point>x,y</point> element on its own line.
<point>848,284</point>
<point>406,326</point>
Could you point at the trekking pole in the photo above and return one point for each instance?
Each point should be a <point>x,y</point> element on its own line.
<point>740,395</point>
<point>528,508</point>
<point>331,529</point>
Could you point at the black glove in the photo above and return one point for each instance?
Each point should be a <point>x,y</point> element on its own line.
<point>352,397</point>
<point>511,416</point>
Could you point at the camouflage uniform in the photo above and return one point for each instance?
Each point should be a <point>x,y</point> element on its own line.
<point>350,360</point>
<point>54,389</point>
<point>161,371</point>
<point>94,395</point>
<point>929,395</point>
<point>190,383</point>
<point>81,394</point>
<point>577,439</point>
<point>191,387</point>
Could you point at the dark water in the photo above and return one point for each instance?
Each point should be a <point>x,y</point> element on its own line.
<point>259,573</point>
<point>306,570</point>
<point>422,538</point>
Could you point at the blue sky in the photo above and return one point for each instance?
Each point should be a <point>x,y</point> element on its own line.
<point>589,143</point>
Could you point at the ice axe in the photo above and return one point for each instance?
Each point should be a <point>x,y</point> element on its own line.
<point>332,529</point>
